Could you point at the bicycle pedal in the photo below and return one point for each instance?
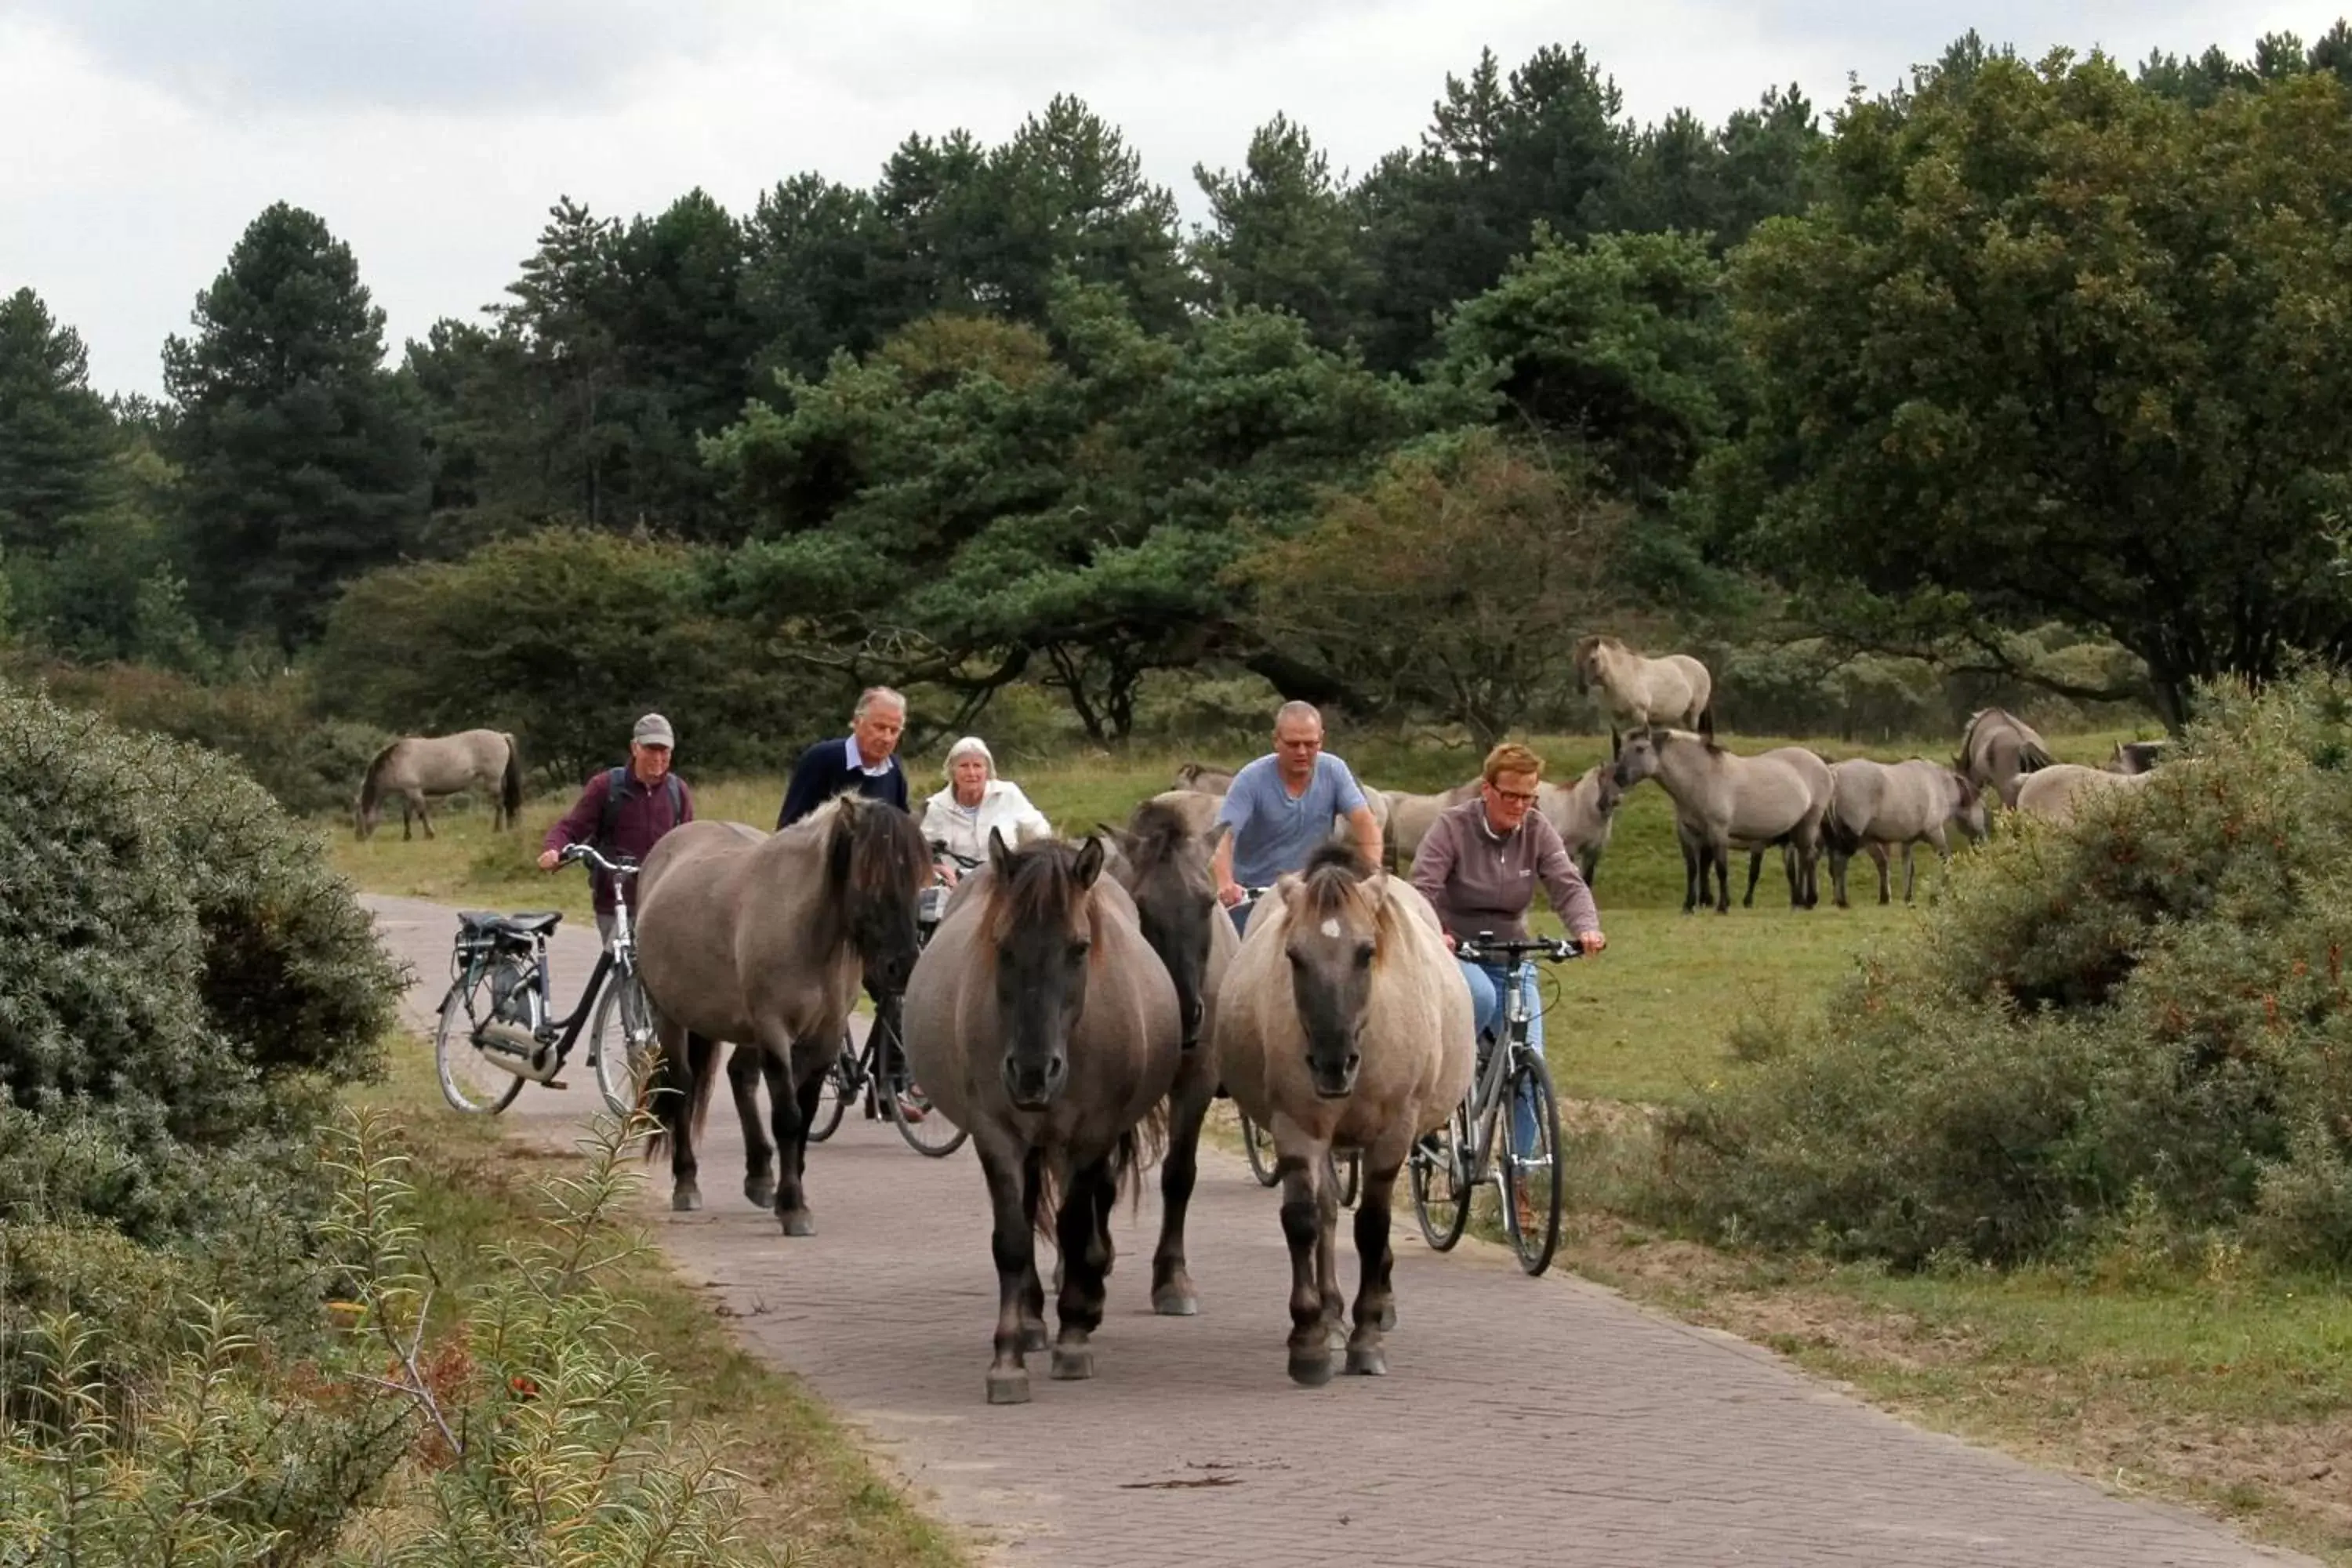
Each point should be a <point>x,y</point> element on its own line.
<point>557,1083</point>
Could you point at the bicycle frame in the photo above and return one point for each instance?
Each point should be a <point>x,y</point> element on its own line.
<point>563,1033</point>
<point>1486,1091</point>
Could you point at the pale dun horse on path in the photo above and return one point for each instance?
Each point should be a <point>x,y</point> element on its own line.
<point>1673,691</point>
<point>1342,1022</point>
<point>421,769</point>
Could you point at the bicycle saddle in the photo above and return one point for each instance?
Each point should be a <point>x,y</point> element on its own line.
<point>530,922</point>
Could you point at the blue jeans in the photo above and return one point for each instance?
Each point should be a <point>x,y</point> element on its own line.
<point>1489,983</point>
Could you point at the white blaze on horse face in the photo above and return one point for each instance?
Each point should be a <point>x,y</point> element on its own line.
<point>1331,927</point>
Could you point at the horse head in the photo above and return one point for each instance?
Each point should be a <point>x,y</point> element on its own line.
<point>1040,923</point>
<point>1167,872</point>
<point>876,867</point>
<point>1968,808</point>
<point>1606,793</point>
<point>1331,938</point>
<point>1637,759</point>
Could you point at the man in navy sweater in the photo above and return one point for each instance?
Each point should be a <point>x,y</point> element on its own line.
<point>864,763</point>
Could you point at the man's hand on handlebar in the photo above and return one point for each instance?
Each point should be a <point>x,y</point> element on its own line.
<point>1232,893</point>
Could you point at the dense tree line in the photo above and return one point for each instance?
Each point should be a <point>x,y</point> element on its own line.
<point>2014,344</point>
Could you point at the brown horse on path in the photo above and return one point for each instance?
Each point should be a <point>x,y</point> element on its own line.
<point>760,939</point>
<point>1164,863</point>
<point>1040,1020</point>
<point>1343,1023</point>
<point>422,768</point>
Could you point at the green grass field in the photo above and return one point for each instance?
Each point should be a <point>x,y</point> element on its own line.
<point>2227,1388</point>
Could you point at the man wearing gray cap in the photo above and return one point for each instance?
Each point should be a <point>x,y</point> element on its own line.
<point>625,811</point>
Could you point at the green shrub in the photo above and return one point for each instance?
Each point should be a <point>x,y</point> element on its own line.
<point>186,982</point>
<point>2151,1002</point>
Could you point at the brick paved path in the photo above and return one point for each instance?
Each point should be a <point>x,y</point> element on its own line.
<point>1522,1420</point>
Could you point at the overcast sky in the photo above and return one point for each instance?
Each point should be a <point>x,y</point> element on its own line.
<point>141,136</point>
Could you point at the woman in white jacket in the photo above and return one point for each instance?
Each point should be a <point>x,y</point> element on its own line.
<point>975,804</point>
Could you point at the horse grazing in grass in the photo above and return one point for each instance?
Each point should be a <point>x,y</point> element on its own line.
<point>1342,1024</point>
<point>760,939</point>
<point>1039,1019</point>
<point>1999,748</point>
<point>1162,861</point>
<point>2061,789</point>
<point>1879,804</point>
<point>1643,693</point>
<point>1722,799</point>
<point>1584,813</point>
<point>421,769</point>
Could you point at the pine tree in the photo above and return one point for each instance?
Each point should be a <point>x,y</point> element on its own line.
<point>55,434</point>
<point>303,465</point>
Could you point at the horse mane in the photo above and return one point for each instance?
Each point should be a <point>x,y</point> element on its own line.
<point>1032,886</point>
<point>1332,873</point>
<point>872,850</point>
<point>375,771</point>
<point>1157,832</point>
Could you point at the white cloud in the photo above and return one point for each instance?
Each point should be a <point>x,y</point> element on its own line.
<point>432,135</point>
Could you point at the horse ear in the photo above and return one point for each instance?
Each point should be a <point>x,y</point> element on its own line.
<point>1089,863</point>
<point>1707,725</point>
<point>1000,854</point>
<point>1119,840</point>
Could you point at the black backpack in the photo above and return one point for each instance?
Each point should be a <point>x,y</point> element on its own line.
<point>616,784</point>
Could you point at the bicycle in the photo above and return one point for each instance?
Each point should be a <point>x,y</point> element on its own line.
<point>1449,1165</point>
<point>497,1027</point>
<point>861,1071</point>
<point>1257,1143</point>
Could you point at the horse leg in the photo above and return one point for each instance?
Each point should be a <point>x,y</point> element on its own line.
<point>790,1131</point>
<point>1032,1289</point>
<point>1079,1303</point>
<point>1755,869</point>
<point>1376,1296</point>
<point>424,815</point>
<point>695,1057</point>
<point>1326,1252</point>
<point>1172,1293</point>
<point>1720,854</point>
<point>1694,873</point>
<point>1310,1344</point>
<point>759,1155</point>
<point>1012,1243</point>
<point>407,819</point>
<point>1910,870</point>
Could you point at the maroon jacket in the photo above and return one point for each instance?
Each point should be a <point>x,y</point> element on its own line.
<point>637,825</point>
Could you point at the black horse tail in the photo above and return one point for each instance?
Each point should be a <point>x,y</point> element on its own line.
<point>700,1068</point>
<point>369,787</point>
<point>1137,1150</point>
<point>511,782</point>
<point>2031,758</point>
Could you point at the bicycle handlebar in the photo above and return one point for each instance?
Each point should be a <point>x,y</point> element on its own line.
<point>1487,945</point>
<point>624,866</point>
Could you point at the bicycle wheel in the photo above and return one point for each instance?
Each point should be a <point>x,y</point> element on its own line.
<point>1258,1145</point>
<point>838,1091</point>
<point>621,1037</point>
<point>1441,1187</point>
<point>1531,1183</point>
<point>470,1081</point>
<point>919,1121</point>
<point>1349,1171</point>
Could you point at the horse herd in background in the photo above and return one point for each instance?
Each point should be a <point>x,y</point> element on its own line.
<point>1789,798</point>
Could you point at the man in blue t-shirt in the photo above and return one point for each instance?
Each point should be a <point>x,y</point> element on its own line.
<point>1281,807</point>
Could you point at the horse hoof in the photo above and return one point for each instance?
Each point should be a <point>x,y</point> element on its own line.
<point>686,1200</point>
<point>1073,1366</point>
<point>800,1222</point>
<point>1371,1361</point>
<point>1335,1336</point>
<point>1311,1369</point>
<point>1008,1388</point>
<point>760,1195</point>
<point>1033,1338</point>
<point>1171,1303</point>
<point>1388,1316</point>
